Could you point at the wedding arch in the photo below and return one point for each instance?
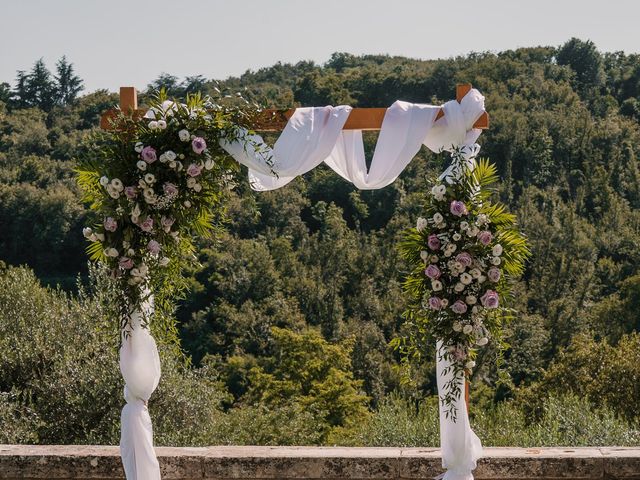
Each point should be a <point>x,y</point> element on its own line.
<point>156,178</point>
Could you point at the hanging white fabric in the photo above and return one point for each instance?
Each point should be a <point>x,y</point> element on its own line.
<point>314,135</point>
<point>140,368</point>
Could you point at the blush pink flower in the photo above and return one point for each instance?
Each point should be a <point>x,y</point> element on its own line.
<point>131,192</point>
<point>147,225</point>
<point>126,263</point>
<point>490,299</point>
<point>458,208</point>
<point>485,237</point>
<point>435,303</point>
<point>194,170</point>
<point>170,189</point>
<point>433,241</point>
<point>459,307</point>
<point>198,145</point>
<point>154,247</point>
<point>433,272</point>
<point>110,224</point>
<point>465,259</point>
<point>148,154</point>
<point>494,274</point>
<point>167,223</point>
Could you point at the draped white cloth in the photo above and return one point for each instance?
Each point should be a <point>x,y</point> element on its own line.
<point>140,368</point>
<point>307,141</point>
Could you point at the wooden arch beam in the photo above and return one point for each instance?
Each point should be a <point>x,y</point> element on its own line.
<point>274,120</point>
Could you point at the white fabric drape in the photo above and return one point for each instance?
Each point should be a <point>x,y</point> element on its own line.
<point>315,135</point>
<point>461,448</point>
<point>140,368</point>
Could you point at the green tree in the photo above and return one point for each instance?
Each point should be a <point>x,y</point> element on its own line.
<point>68,84</point>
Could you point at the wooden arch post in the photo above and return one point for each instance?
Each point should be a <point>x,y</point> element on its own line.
<point>274,120</point>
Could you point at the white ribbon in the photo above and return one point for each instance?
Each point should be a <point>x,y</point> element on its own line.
<point>140,368</point>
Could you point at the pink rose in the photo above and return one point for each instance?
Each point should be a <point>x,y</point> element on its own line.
<point>459,353</point>
<point>153,247</point>
<point>458,208</point>
<point>493,274</point>
<point>170,189</point>
<point>148,154</point>
<point>459,307</point>
<point>126,263</point>
<point>166,223</point>
<point>194,170</point>
<point>131,192</point>
<point>198,145</point>
<point>110,224</point>
<point>147,225</point>
<point>490,299</point>
<point>485,237</point>
<point>432,271</point>
<point>435,303</point>
<point>465,259</point>
<point>433,241</point>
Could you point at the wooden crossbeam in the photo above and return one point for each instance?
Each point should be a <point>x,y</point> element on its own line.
<point>274,120</point>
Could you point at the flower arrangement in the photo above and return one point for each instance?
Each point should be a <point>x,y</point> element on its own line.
<point>464,254</point>
<point>153,183</point>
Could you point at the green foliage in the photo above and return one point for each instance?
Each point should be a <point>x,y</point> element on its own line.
<point>307,371</point>
<point>320,253</point>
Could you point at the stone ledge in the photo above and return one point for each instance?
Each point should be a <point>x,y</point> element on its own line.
<point>261,463</point>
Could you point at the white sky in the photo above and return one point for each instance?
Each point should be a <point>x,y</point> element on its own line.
<point>130,42</point>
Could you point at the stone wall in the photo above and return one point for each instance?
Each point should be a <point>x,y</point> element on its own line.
<point>103,462</point>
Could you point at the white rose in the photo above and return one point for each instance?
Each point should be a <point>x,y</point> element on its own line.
<point>171,155</point>
<point>131,252</point>
<point>163,158</point>
<point>162,124</point>
<point>466,279</point>
<point>473,231</point>
<point>184,135</point>
<point>471,300</point>
<point>497,250</point>
<point>117,184</point>
<point>440,189</point>
<point>100,237</point>
<point>457,326</point>
<point>434,258</point>
<point>464,225</point>
<point>482,219</point>
<point>172,164</point>
<point>496,260</point>
<point>197,187</point>
<point>104,181</point>
<point>437,218</point>
<point>421,224</point>
<point>208,165</point>
<point>163,262</point>
<point>459,287</point>
<point>467,329</point>
<point>149,178</point>
<point>470,364</point>
<point>139,147</point>
<point>444,303</point>
<point>482,341</point>
<point>111,252</point>
<point>187,203</point>
<point>482,279</point>
<point>456,237</point>
<point>436,285</point>
<point>475,273</point>
<point>424,255</point>
<point>142,165</point>
<point>87,232</point>
<point>153,125</point>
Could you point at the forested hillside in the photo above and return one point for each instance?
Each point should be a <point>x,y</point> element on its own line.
<point>290,316</point>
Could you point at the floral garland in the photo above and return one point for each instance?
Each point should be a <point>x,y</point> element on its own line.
<point>154,183</point>
<point>464,255</point>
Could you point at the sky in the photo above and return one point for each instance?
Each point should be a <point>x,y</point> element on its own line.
<point>116,43</point>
